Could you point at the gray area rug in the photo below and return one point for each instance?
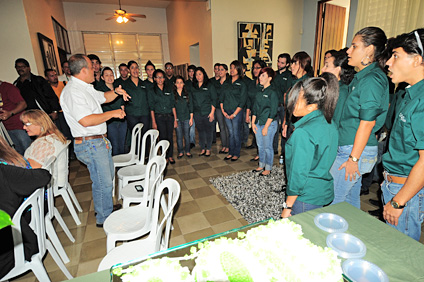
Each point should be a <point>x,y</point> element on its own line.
<point>255,197</point>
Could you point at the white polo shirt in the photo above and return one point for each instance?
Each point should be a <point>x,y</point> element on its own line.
<point>78,100</point>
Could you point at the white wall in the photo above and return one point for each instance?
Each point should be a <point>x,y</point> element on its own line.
<point>285,14</point>
<point>82,17</point>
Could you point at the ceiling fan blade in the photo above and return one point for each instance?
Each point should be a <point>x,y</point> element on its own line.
<point>103,14</point>
<point>130,19</point>
<point>110,18</point>
<point>136,15</point>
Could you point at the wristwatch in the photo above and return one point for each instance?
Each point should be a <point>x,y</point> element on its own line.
<point>234,115</point>
<point>396,205</point>
<point>286,207</point>
<point>355,160</point>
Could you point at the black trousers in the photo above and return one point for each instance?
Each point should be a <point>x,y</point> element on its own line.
<point>165,124</point>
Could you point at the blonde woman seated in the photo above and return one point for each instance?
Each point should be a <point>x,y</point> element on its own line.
<point>50,141</point>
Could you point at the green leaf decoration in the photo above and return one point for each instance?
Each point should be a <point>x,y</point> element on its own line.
<point>5,219</point>
<point>234,268</point>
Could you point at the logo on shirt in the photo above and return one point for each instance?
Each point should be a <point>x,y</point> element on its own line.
<point>205,88</point>
<point>143,86</point>
<point>266,96</point>
<point>167,93</point>
<point>353,88</point>
<point>284,78</point>
<point>237,83</point>
<point>402,117</point>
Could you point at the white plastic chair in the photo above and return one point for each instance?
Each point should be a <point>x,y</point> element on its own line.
<point>36,202</point>
<point>133,156</point>
<point>61,186</point>
<point>136,172</point>
<point>129,193</point>
<point>158,238</point>
<point>54,213</point>
<point>134,221</point>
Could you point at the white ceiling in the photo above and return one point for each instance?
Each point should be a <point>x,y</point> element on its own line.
<point>139,3</point>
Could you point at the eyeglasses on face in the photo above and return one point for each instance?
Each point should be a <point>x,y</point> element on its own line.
<point>27,123</point>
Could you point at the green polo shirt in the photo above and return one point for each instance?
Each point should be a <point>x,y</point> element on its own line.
<point>203,99</point>
<point>407,134</point>
<point>188,85</point>
<point>138,105</point>
<point>393,108</point>
<point>266,105</point>
<point>219,90</point>
<point>161,101</point>
<point>293,82</point>
<point>368,100</point>
<point>234,95</point>
<point>171,80</point>
<point>282,82</point>
<point>343,93</point>
<point>148,84</point>
<point>252,89</point>
<point>183,106</point>
<point>120,81</point>
<point>310,153</point>
<point>114,105</point>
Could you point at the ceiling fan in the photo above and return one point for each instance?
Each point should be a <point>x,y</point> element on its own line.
<point>122,16</point>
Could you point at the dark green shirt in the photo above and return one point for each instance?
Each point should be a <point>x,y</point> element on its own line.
<point>282,82</point>
<point>171,80</point>
<point>203,99</point>
<point>343,93</point>
<point>266,105</point>
<point>114,105</point>
<point>120,81</point>
<point>368,100</point>
<point>252,89</point>
<point>310,153</point>
<point>407,134</point>
<point>394,106</point>
<point>161,101</point>
<point>148,84</point>
<point>183,106</point>
<point>138,105</point>
<point>234,95</point>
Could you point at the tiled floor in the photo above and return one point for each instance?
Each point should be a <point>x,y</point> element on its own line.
<point>202,210</point>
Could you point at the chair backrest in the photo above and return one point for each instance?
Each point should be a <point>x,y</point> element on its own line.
<point>60,168</point>
<point>151,135</point>
<point>154,175</point>
<point>36,202</point>
<point>135,149</point>
<point>162,146</point>
<point>161,233</point>
<point>48,165</point>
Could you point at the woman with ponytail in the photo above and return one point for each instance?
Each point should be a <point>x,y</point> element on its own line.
<point>312,148</point>
<point>362,115</point>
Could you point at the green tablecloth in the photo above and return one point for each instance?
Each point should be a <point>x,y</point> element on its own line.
<point>400,257</point>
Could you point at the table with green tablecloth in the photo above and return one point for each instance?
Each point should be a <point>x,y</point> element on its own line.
<point>399,256</point>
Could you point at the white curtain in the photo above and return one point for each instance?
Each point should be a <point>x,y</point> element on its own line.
<point>393,16</point>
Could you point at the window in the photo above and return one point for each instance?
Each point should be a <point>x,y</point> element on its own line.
<point>116,48</point>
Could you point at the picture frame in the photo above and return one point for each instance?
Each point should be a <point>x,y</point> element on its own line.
<point>47,52</point>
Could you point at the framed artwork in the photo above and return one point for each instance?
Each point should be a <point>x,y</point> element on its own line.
<point>255,42</point>
<point>47,52</point>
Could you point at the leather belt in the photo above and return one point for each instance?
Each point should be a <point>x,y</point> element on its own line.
<point>394,179</point>
<point>91,137</point>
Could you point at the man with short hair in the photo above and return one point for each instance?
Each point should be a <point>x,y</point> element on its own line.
<point>53,80</point>
<point>35,90</point>
<point>124,75</point>
<point>66,76</point>
<point>169,73</point>
<point>97,66</point>
<point>150,69</point>
<point>81,105</point>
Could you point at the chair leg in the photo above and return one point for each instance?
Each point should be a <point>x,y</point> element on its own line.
<point>73,197</point>
<point>39,270</point>
<point>63,225</point>
<point>55,240</point>
<point>120,185</point>
<point>57,259</point>
<point>110,243</point>
<point>71,208</point>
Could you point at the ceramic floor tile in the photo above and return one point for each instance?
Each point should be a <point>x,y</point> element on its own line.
<point>209,202</point>
<point>198,167</point>
<point>225,226</point>
<point>93,233</point>
<point>201,192</point>
<point>184,169</point>
<point>176,241</point>
<point>187,208</point>
<point>193,222</point>
<point>185,196</point>
<point>208,173</point>
<point>188,176</point>
<point>195,183</point>
<point>93,250</point>
<point>198,234</point>
<point>218,215</point>
<point>88,266</point>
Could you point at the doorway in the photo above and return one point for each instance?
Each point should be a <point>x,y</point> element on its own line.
<point>331,29</point>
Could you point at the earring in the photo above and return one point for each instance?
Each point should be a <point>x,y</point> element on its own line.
<point>366,64</point>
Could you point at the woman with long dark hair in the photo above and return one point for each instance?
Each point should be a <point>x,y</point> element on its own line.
<point>362,115</point>
<point>163,113</point>
<point>204,100</point>
<point>184,111</point>
<point>223,128</point>
<point>312,148</point>
<point>264,120</point>
<point>233,99</point>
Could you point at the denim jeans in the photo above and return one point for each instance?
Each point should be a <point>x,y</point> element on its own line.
<point>223,129</point>
<point>117,132</point>
<point>349,190</point>
<point>299,207</point>
<point>412,216</point>
<point>244,131</point>
<point>96,154</point>
<point>165,124</point>
<point>205,130</point>
<point>280,115</point>
<point>183,131</point>
<point>193,133</point>
<point>21,140</point>
<point>266,152</point>
<point>234,126</point>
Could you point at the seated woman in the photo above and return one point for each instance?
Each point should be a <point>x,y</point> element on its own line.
<point>17,182</point>
<point>50,141</point>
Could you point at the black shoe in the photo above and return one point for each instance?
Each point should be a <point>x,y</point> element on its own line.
<point>364,192</point>
<point>99,225</point>
<point>250,147</point>
<point>189,156</point>
<point>180,156</point>
<point>192,145</point>
<point>261,174</point>
<point>255,159</point>
<point>202,154</point>
<point>115,208</point>
<point>171,160</point>
<point>375,202</point>
<point>256,171</point>
<point>377,212</point>
<point>228,158</point>
<point>234,160</point>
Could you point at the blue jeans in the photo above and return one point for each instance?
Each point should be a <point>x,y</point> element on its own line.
<point>193,133</point>
<point>223,129</point>
<point>96,154</point>
<point>266,152</point>
<point>346,190</point>
<point>117,132</point>
<point>234,126</point>
<point>412,216</point>
<point>183,131</point>
<point>205,130</point>
<point>244,133</point>
<point>299,207</point>
<point>21,140</point>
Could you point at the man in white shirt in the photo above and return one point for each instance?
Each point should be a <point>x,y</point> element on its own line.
<point>81,104</point>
